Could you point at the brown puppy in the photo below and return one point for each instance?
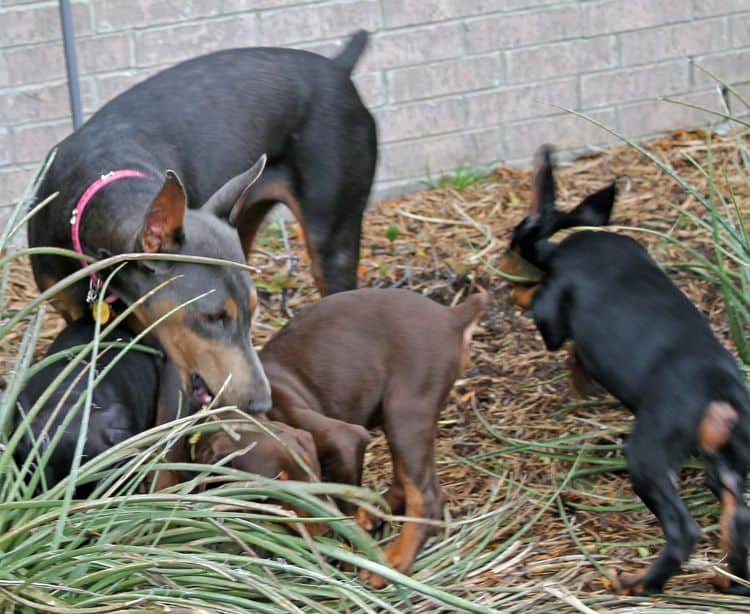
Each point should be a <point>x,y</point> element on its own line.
<point>375,358</point>
<point>271,457</point>
<point>289,455</point>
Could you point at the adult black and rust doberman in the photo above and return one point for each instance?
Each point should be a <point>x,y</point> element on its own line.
<point>154,170</point>
<point>637,335</point>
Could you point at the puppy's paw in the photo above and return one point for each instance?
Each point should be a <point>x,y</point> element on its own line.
<point>373,580</point>
<point>365,520</point>
<point>724,584</point>
<point>632,584</point>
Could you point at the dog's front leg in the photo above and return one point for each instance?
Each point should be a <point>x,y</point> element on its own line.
<point>172,402</point>
<point>550,313</point>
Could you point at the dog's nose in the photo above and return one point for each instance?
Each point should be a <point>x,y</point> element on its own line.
<point>260,404</point>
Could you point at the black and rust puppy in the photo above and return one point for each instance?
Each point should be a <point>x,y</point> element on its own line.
<point>369,358</point>
<point>639,336</point>
<point>123,404</point>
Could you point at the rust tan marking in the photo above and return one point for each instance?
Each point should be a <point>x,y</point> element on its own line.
<point>192,353</point>
<point>65,302</point>
<point>364,519</point>
<point>47,281</point>
<point>581,383</point>
<point>178,453</point>
<point>512,263</point>
<point>315,266</point>
<point>523,296</point>
<point>264,196</point>
<point>394,497</point>
<point>628,584</point>
<point>134,323</point>
<point>728,511</point>
<point>230,306</point>
<point>715,428</point>
<point>253,301</point>
<point>721,582</point>
<point>402,551</point>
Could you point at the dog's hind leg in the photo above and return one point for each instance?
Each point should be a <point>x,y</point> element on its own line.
<point>411,428</point>
<point>653,457</point>
<point>334,227</point>
<point>335,160</point>
<point>550,309</point>
<point>735,530</point>
<point>728,467</point>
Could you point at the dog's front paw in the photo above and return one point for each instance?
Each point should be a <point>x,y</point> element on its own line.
<point>372,579</point>
<point>632,584</point>
<point>365,520</point>
<point>725,584</point>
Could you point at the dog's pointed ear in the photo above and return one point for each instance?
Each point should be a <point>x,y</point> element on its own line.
<point>543,195</point>
<point>596,208</point>
<point>230,197</point>
<point>162,228</point>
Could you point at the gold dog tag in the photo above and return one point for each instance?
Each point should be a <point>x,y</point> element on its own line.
<point>101,311</point>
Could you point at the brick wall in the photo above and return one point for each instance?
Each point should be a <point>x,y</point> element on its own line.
<point>449,81</point>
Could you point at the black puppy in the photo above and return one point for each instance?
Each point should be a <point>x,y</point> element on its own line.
<point>638,336</point>
<point>123,404</point>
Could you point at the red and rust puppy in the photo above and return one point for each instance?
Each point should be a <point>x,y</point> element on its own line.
<point>287,454</point>
<point>375,358</point>
<point>640,338</point>
<point>290,455</point>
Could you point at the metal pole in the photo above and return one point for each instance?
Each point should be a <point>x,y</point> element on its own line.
<point>71,64</point>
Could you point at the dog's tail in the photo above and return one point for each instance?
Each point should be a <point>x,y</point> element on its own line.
<point>354,48</point>
<point>467,316</point>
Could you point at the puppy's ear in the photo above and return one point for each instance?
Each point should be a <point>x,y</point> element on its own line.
<point>543,195</point>
<point>162,226</point>
<point>596,208</point>
<point>231,196</point>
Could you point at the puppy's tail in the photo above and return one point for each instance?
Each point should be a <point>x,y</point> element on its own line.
<point>467,316</point>
<point>354,48</point>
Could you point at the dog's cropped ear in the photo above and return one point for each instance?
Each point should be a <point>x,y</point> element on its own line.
<point>596,208</point>
<point>541,218</point>
<point>233,193</point>
<point>543,195</point>
<point>162,228</point>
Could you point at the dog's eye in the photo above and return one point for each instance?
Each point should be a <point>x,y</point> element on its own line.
<point>220,317</point>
